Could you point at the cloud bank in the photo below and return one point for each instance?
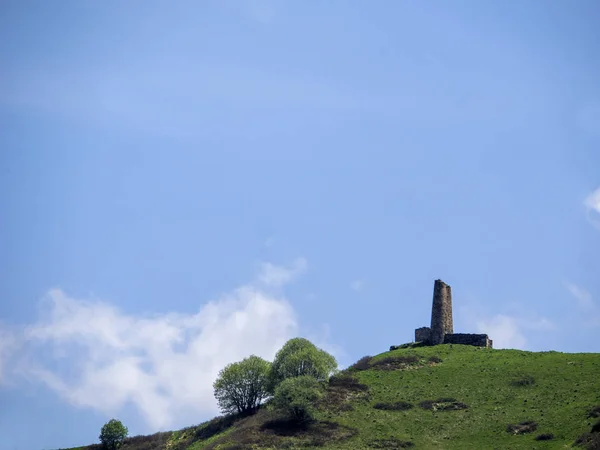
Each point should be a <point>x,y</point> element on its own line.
<point>95,356</point>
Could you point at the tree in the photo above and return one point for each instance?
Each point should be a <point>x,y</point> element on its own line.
<point>241,387</point>
<point>299,357</point>
<point>298,396</point>
<point>113,434</point>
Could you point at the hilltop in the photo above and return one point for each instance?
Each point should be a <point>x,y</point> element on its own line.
<point>436,397</point>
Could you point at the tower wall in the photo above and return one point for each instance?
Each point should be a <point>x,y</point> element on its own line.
<point>441,313</point>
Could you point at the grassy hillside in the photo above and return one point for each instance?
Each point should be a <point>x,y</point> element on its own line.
<point>442,397</point>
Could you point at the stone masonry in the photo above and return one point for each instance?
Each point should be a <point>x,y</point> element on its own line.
<point>441,313</point>
<point>442,328</point>
<point>478,340</point>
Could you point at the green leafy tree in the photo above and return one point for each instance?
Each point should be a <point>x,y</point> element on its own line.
<point>113,434</point>
<point>242,386</point>
<point>300,357</point>
<point>298,396</point>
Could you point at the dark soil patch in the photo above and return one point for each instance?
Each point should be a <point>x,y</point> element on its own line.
<point>544,437</point>
<point>285,427</point>
<point>443,404</point>
<point>342,389</point>
<point>311,432</point>
<point>348,382</point>
<point>523,380</point>
<point>267,429</point>
<point>391,443</point>
<point>398,406</point>
<point>529,426</point>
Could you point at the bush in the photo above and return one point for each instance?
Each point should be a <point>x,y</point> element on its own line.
<point>242,386</point>
<point>528,426</point>
<point>523,380</point>
<point>434,359</point>
<point>398,406</point>
<point>544,437</point>
<point>156,441</point>
<point>113,434</point>
<point>346,381</point>
<point>215,426</point>
<point>362,364</point>
<point>297,397</point>
<point>590,441</point>
<point>300,357</point>
<point>594,412</point>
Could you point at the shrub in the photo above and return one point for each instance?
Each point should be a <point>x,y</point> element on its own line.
<point>215,426</point>
<point>347,381</point>
<point>590,441</point>
<point>156,441</point>
<point>594,412</point>
<point>300,357</point>
<point>434,359</point>
<point>523,380</point>
<point>528,426</point>
<point>297,397</point>
<point>242,386</point>
<point>113,434</point>
<point>544,437</point>
<point>596,427</point>
<point>398,406</point>
<point>362,364</point>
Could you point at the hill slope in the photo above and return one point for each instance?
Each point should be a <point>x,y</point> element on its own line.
<point>442,397</point>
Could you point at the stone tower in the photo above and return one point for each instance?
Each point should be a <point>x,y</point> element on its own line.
<point>441,313</point>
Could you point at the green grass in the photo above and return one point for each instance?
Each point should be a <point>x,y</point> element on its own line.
<point>492,388</point>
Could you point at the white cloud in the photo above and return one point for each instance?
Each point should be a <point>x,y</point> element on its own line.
<point>583,297</point>
<point>274,276</point>
<point>592,204</point>
<point>357,285</point>
<point>503,330</point>
<point>509,331</point>
<point>95,356</point>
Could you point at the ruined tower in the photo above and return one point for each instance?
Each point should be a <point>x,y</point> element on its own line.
<point>441,313</point>
<point>442,329</point>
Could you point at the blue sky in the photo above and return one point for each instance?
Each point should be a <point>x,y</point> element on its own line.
<point>187,183</point>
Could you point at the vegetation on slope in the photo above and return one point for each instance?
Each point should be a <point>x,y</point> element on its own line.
<point>447,396</point>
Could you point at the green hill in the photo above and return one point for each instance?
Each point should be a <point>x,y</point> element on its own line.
<point>442,397</point>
